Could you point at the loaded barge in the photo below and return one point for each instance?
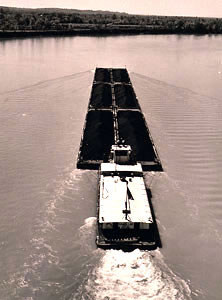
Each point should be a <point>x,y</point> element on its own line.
<point>114,115</point>
<point>117,142</point>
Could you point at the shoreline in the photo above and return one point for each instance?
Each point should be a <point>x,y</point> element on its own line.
<point>4,34</point>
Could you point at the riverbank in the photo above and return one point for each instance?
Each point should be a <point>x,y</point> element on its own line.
<point>4,34</point>
<point>91,30</point>
<point>102,30</point>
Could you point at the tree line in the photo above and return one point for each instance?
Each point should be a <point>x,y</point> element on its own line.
<point>14,19</point>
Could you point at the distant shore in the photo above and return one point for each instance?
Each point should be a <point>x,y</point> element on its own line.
<point>86,31</point>
<point>103,31</point>
<point>20,22</point>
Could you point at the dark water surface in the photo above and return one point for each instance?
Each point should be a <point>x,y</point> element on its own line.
<point>48,207</point>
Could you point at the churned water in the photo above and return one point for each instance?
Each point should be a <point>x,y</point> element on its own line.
<point>48,207</point>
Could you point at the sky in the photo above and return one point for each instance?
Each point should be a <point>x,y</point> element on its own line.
<point>202,8</point>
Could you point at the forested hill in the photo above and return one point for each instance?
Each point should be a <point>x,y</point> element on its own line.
<point>56,10</point>
<point>72,21</point>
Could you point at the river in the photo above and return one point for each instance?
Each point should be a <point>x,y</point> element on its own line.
<point>48,207</point>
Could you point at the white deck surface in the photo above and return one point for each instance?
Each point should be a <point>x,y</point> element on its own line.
<point>116,167</point>
<point>113,194</point>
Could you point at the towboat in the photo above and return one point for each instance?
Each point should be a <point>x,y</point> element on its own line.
<point>124,217</point>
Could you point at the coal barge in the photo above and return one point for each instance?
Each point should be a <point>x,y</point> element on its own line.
<point>117,142</point>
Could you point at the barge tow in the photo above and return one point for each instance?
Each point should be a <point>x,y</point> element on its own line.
<point>117,142</point>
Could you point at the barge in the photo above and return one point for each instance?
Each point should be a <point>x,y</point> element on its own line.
<point>114,114</point>
<point>124,217</point>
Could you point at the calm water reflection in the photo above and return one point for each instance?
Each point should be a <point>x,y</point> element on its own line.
<point>193,62</point>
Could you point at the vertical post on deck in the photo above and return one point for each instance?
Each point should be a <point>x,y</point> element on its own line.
<point>114,110</point>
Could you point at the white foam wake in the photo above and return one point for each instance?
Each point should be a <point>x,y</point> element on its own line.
<point>135,275</point>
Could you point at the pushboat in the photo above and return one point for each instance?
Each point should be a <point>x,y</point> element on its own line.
<point>124,217</point>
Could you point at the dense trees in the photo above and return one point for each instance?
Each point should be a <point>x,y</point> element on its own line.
<point>14,19</point>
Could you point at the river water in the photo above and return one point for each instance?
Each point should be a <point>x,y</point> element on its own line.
<point>48,207</point>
